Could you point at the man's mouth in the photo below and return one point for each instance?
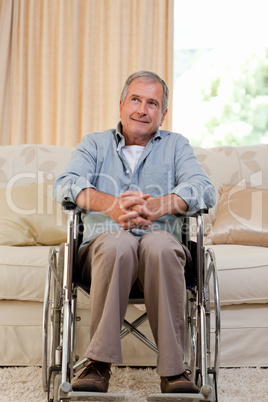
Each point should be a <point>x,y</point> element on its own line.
<point>140,121</point>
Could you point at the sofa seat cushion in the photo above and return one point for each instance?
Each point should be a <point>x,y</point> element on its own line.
<point>243,273</point>
<point>21,326</point>
<point>23,272</point>
<point>244,340</point>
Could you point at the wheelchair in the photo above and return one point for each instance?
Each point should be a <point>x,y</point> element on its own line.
<point>202,318</point>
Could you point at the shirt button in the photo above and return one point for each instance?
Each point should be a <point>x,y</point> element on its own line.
<point>127,171</point>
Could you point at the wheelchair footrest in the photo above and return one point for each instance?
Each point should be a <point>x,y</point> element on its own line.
<point>178,397</point>
<point>92,396</point>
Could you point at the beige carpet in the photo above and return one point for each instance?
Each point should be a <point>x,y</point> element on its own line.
<point>235,385</point>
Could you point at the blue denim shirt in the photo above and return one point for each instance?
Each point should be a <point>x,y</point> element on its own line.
<point>167,165</point>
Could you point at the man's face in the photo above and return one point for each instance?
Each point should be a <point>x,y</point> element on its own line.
<point>141,113</point>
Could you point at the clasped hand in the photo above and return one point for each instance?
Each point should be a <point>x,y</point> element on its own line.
<point>135,211</point>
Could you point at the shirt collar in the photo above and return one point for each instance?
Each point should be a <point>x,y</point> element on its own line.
<point>120,137</point>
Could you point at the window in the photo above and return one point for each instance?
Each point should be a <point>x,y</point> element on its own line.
<point>221,72</point>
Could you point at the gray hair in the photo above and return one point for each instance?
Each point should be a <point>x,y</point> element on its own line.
<point>147,76</point>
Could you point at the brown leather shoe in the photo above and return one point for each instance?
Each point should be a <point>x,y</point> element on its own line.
<point>178,384</point>
<point>94,378</point>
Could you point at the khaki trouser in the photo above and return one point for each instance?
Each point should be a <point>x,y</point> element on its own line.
<point>113,262</point>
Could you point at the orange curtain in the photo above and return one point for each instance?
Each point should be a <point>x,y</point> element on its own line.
<point>64,62</point>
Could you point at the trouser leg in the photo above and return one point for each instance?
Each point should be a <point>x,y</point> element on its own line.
<point>161,273</point>
<point>110,262</point>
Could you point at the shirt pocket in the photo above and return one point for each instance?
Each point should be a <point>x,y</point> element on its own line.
<point>159,179</point>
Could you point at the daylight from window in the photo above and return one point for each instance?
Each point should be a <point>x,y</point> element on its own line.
<point>221,72</point>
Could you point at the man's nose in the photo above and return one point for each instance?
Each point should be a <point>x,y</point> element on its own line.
<point>142,108</point>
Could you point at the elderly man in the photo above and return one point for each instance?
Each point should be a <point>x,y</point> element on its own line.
<point>130,183</point>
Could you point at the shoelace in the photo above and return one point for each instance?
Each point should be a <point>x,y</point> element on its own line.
<point>93,367</point>
<point>186,373</point>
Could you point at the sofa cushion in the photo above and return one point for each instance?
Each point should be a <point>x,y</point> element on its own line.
<point>28,216</point>
<point>243,273</point>
<point>244,340</point>
<point>23,272</point>
<point>22,164</point>
<point>21,333</point>
<point>236,165</point>
<point>242,217</point>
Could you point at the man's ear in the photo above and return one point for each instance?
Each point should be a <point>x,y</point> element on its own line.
<point>120,107</point>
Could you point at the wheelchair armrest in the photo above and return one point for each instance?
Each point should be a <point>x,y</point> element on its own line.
<point>187,214</point>
<point>75,225</point>
<point>199,213</point>
<point>68,205</point>
<point>185,229</point>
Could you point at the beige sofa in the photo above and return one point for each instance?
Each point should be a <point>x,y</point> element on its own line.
<point>31,224</point>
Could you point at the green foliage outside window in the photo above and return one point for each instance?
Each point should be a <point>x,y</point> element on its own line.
<point>244,107</point>
<point>227,95</point>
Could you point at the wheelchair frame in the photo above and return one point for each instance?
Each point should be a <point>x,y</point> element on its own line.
<point>59,360</point>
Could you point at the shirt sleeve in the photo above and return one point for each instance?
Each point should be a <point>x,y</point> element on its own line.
<point>192,183</point>
<point>75,177</point>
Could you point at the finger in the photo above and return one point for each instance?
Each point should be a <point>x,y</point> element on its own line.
<point>131,202</point>
<point>126,204</point>
<point>138,222</point>
<point>142,222</point>
<point>140,208</point>
<point>128,216</point>
<point>144,211</point>
<point>146,196</point>
<point>130,193</point>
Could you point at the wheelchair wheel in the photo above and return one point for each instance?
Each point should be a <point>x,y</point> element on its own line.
<point>212,311</point>
<point>52,314</point>
<point>212,308</point>
<point>207,330</point>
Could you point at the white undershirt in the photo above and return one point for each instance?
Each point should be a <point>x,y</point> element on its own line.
<point>132,154</point>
